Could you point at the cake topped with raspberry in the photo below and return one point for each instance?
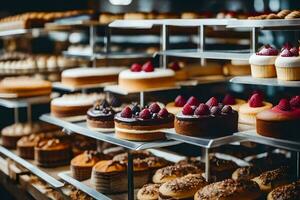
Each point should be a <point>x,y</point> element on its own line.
<point>295,101</point>
<point>267,50</point>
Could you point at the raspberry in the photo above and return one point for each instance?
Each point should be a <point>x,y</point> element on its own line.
<point>136,67</point>
<point>202,109</point>
<point>295,101</point>
<point>294,51</point>
<point>226,109</point>
<point>145,114</point>
<point>284,105</point>
<point>180,101</point>
<point>255,101</point>
<point>154,107</point>
<point>229,100</point>
<point>148,67</point>
<point>212,102</point>
<point>174,66</point>
<point>215,110</point>
<point>286,53</point>
<point>187,110</point>
<point>192,101</point>
<point>163,113</point>
<point>126,112</point>
<point>287,46</point>
<point>267,50</point>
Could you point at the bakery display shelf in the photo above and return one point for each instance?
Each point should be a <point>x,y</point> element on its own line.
<point>81,128</point>
<point>67,177</point>
<point>70,24</point>
<point>252,136</point>
<point>195,53</point>
<point>35,170</point>
<point>264,81</point>
<point>118,90</point>
<point>114,55</point>
<point>24,102</point>
<point>265,24</point>
<point>33,32</point>
<point>61,86</point>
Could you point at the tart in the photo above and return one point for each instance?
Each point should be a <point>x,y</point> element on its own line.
<point>52,153</point>
<point>286,192</point>
<point>25,146</point>
<point>237,68</point>
<point>87,76</point>
<point>207,120</point>
<point>101,117</point>
<point>262,63</point>
<point>281,121</point>
<point>235,103</point>
<point>180,72</point>
<point>141,78</point>
<point>143,125</point>
<point>255,105</point>
<point>288,64</point>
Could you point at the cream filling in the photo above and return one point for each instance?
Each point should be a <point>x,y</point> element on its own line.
<point>262,60</point>
<point>157,73</point>
<point>104,130</point>
<point>83,72</point>
<point>287,61</point>
<point>136,131</point>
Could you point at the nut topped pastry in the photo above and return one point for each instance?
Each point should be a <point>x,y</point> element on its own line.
<point>25,145</point>
<point>246,173</point>
<point>229,190</point>
<point>109,166</point>
<point>156,162</point>
<point>286,192</point>
<point>148,192</point>
<point>182,188</point>
<point>141,154</point>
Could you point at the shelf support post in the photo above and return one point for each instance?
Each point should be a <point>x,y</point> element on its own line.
<point>130,176</point>
<point>142,100</point>
<point>92,43</point>
<point>16,115</point>
<point>254,39</point>
<point>164,43</point>
<point>107,39</point>
<point>201,44</point>
<point>207,164</point>
<point>298,165</point>
<point>29,113</point>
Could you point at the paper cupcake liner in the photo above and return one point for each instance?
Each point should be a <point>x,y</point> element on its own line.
<point>288,73</point>
<point>81,173</point>
<point>26,152</point>
<point>263,71</point>
<point>10,142</point>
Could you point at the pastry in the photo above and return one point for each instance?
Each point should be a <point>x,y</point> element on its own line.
<point>81,143</point>
<point>143,125</point>
<point>52,153</point>
<point>190,15</point>
<point>209,69</point>
<point>255,105</point>
<point>81,165</point>
<point>64,62</point>
<point>293,15</point>
<point>270,162</point>
<point>286,192</point>
<point>246,173</point>
<point>106,18</point>
<point>18,87</point>
<point>135,15</point>
<point>73,104</point>
<point>176,106</point>
<point>148,192</point>
<point>101,117</point>
<point>25,145</point>
<point>262,63</point>
<point>139,154</point>
<point>172,172</point>
<point>142,78</point>
<point>283,13</point>
<point>235,103</point>
<point>237,68</point>
<point>88,76</point>
<point>269,180</point>
<point>221,169</point>
<point>281,121</point>
<point>155,163</point>
<point>180,72</point>
<point>182,188</point>
<point>288,64</point>
<point>52,63</point>
<point>193,161</point>
<point>229,190</point>
<point>207,120</point>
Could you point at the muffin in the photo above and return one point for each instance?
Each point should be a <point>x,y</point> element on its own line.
<point>25,146</point>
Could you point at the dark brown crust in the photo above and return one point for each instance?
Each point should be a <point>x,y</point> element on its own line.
<point>286,192</point>
<point>275,176</point>
<point>68,111</point>
<point>88,80</point>
<point>141,136</point>
<point>100,123</point>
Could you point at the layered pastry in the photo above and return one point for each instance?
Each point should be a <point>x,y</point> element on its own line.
<point>149,192</point>
<point>262,63</point>
<point>237,68</point>
<point>81,165</point>
<point>101,117</point>
<point>182,188</point>
<point>143,125</point>
<point>288,64</point>
<point>269,180</point>
<point>207,120</point>
<point>249,110</point>
<point>172,172</point>
<point>52,153</point>
<point>180,72</point>
<point>73,106</point>
<point>18,87</point>
<point>286,192</point>
<point>229,190</point>
<point>110,176</point>
<point>142,78</point>
<point>281,121</point>
<point>25,146</point>
<point>89,76</point>
<point>235,103</point>
<point>246,173</point>
<point>176,106</point>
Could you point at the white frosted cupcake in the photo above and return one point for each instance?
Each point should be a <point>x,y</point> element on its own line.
<point>288,64</point>
<point>262,63</point>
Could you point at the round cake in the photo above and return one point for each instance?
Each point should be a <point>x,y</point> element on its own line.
<point>233,102</point>
<point>143,78</point>
<point>237,68</point>
<point>88,76</point>
<point>176,106</point>
<point>101,117</point>
<point>282,121</point>
<point>206,120</point>
<point>143,125</point>
<point>180,72</point>
<point>18,87</point>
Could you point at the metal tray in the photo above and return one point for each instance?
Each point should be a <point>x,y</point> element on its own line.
<point>270,23</point>
<point>264,81</point>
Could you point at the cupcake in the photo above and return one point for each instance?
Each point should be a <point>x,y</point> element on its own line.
<point>233,102</point>
<point>255,105</point>
<point>262,63</point>
<point>288,64</point>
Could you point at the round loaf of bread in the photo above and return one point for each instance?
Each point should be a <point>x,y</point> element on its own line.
<point>286,192</point>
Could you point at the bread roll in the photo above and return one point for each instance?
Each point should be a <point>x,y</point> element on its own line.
<point>148,192</point>
<point>286,192</point>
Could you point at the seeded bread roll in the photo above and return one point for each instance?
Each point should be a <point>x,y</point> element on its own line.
<point>229,190</point>
<point>182,188</point>
<point>286,192</point>
<point>148,192</point>
<point>246,173</point>
<point>269,180</point>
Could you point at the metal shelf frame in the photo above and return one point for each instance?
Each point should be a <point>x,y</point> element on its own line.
<point>264,81</point>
